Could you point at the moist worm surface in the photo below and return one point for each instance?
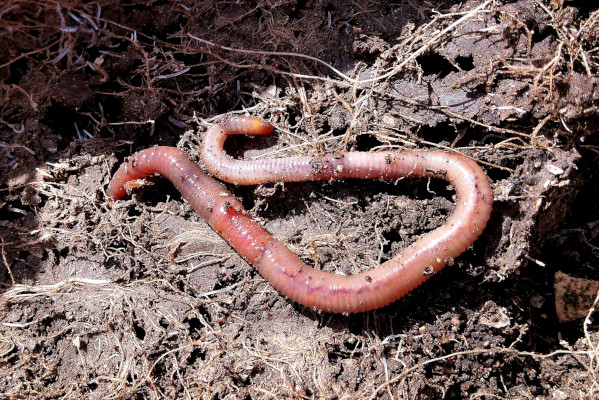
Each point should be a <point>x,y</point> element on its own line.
<point>276,263</point>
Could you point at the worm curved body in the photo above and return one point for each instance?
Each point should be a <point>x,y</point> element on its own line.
<point>277,264</point>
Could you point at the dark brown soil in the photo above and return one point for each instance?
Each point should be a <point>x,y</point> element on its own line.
<point>141,299</point>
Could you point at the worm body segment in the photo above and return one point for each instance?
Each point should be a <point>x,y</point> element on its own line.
<point>281,267</point>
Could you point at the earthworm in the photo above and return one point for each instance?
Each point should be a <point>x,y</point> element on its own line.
<point>314,288</point>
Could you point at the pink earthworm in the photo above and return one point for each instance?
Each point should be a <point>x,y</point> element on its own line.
<point>314,288</point>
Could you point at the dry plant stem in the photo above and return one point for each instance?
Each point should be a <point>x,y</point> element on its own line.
<point>12,278</point>
<point>281,267</point>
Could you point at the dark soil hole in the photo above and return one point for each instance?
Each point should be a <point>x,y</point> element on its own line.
<point>539,35</point>
<point>329,8</point>
<point>160,190</point>
<point>496,174</point>
<point>442,133</point>
<point>133,212</point>
<point>435,64</point>
<point>140,332</point>
<point>338,353</point>
<point>493,138</point>
<point>194,324</point>
<point>585,7</point>
<point>335,356</point>
<point>196,354</point>
<point>18,69</point>
<point>353,346</point>
<point>245,194</point>
<point>48,321</point>
<point>390,237</point>
<point>367,142</point>
<point>578,237</point>
<point>63,119</point>
<point>336,132</point>
<point>357,324</point>
<point>14,212</point>
<point>461,135</point>
<point>237,145</point>
<point>429,188</point>
<point>295,11</point>
<point>164,135</point>
<point>465,63</point>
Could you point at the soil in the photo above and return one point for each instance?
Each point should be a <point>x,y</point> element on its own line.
<point>141,299</point>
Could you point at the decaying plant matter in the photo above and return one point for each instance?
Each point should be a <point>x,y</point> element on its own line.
<point>142,299</point>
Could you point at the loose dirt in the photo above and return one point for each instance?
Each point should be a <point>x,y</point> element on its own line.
<point>141,299</point>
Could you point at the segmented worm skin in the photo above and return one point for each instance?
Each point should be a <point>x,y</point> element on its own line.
<point>277,264</point>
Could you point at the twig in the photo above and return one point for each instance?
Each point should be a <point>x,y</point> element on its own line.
<point>12,278</point>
